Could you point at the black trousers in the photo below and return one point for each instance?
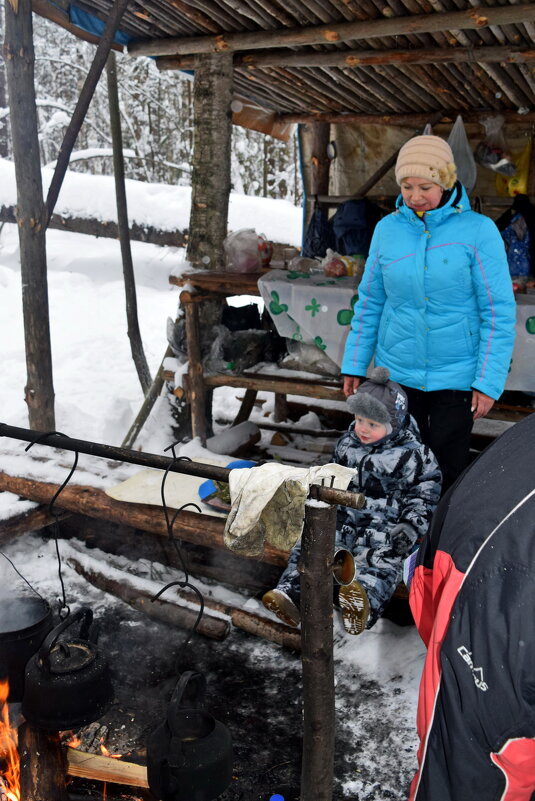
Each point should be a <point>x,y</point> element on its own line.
<point>445,422</point>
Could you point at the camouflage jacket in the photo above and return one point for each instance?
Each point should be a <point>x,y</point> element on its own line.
<point>398,475</point>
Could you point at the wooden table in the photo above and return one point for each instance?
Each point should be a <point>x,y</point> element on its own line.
<point>210,284</point>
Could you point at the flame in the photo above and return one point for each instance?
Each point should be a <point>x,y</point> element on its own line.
<point>9,755</point>
<point>74,742</point>
<point>106,753</point>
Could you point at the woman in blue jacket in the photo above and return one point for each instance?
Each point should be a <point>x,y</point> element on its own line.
<point>436,304</point>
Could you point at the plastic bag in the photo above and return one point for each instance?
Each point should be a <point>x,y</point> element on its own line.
<point>518,183</point>
<point>336,265</point>
<point>492,152</point>
<point>462,155</point>
<point>246,251</point>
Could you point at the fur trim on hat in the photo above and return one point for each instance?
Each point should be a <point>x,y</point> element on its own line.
<point>428,157</point>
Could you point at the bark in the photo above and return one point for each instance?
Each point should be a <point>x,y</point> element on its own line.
<point>83,225</point>
<point>134,334</point>
<point>212,96</point>
<point>4,139</point>
<point>19,60</point>
<point>317,653</point>
<point>42,766</point>
<point>314,139</point>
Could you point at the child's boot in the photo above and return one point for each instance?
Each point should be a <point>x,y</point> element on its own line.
<point>355,607</point>
<point>282,605</point>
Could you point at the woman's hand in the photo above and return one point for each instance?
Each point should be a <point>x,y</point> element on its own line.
<point>481,404</point>
<point>351,384</point>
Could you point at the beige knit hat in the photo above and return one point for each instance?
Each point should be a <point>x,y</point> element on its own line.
<point>427,157</point>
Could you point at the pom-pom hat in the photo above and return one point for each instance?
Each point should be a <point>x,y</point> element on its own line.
<point>428,157</point>
<point>380,399</point>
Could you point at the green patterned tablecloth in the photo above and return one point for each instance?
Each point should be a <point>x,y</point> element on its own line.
<point>313,309</point>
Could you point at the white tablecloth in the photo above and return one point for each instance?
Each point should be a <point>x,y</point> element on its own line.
<point>313,309</point>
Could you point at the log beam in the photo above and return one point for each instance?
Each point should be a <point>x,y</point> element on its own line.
<point>361,58</point>
<point>470,19</point>
<point>189,526</point>
<point>107,229</point>
<point>416,119</point>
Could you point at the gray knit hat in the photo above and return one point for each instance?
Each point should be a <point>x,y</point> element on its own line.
<point>380,399</point>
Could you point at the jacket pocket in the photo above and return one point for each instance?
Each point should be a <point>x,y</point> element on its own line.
<point>386,319</point>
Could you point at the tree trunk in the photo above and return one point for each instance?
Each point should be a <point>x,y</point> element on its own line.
<point>314,140</point>
<point>212,93</point>
<point>4,140</point>
<point>134,334</point>
<point>31,215</point>
<point>317,652</point>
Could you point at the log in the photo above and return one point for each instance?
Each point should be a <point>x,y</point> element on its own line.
<point>469,19</point>
<point>117,583</point>
<point>361,58</point>
<point>189,526</point>
<point>107,229</point>
<point>42,765</point>
<point>283,386</point>
<point>33,520</point>
<point>402,119</point>
<point>105,769</point>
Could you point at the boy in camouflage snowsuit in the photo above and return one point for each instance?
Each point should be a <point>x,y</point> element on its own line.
<point>401,481</point>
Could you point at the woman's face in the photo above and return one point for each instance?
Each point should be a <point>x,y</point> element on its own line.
<point>421,195</point>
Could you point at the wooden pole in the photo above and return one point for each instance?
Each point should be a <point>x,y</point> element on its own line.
<point>197,391</point>
<point>88,90</point>
<point>43,769</point>
<point>317,651</point>
<point>360,58</point>
<point>134,334</point>
<point>150,399</point>
<point>31,215</point>
<point>468,19</point>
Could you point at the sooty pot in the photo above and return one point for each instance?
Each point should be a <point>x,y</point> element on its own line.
<point>24,623</point>
<point>67,683</point>
<point>189,756</point>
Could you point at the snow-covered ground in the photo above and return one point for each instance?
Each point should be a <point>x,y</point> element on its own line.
<point>97,397</point>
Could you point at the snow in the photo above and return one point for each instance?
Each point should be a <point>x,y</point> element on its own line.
<point>97,395</point>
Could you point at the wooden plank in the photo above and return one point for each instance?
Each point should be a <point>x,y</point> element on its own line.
<point>283,386</point>
<point>105,769</point>
<point>469,19</point>
<point>220,282</point>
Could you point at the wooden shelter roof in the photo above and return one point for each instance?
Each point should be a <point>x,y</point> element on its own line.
<point>337,59</point>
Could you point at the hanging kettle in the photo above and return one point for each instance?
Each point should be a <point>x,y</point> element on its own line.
<point>67,682</point>
<point>189,756</point>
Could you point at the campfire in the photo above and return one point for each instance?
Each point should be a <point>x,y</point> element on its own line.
<point>9,755</point>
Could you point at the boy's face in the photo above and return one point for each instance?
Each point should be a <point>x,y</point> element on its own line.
<point>368,430</point>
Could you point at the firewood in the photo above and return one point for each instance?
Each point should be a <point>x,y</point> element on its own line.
<point>122,586</point>
<point>42,765</point>
<point>105,769</point>
<point>119,584</point>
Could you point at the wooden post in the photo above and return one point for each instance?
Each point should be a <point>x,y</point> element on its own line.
<point>134,334</point>
<point>4,142</point>
<point>19,60</point>
<point>43,769</point>
<point>317,651</point>
<point>212,94</point>
<point>314,139</point>
<point>197,390</point>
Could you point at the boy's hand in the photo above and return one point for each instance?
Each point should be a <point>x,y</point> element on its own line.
<point>351,384</point>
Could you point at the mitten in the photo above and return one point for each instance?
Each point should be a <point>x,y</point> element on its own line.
<point>403,536</point>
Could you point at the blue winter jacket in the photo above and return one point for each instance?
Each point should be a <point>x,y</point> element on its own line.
<point>436,304</point>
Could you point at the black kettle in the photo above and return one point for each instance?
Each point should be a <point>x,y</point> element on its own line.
<point>189,756</point>
<point>67,682</point>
